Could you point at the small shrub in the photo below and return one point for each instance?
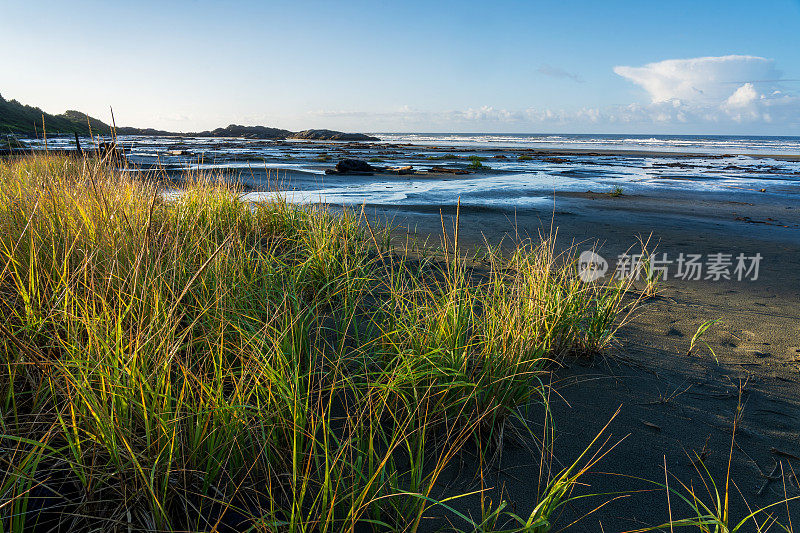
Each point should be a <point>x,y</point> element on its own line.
<point>476,162</point>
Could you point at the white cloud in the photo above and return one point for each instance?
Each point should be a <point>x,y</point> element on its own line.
<point>743,96</point>
<point>699,79</point>
<point>714,89</point>
<point>717,93</point>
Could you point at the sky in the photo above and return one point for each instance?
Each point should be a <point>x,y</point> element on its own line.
<point>728,67</point>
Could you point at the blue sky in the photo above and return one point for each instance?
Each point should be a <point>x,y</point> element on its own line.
<point>504,66</point>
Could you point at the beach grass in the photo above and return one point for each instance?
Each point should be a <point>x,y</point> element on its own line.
<point>193,362</point>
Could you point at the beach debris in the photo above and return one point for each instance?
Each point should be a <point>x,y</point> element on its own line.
<point>408,169</point>
<point>703,455</point>
<point>447,170</point>
<point>651,425</point>
<point>769,221</point>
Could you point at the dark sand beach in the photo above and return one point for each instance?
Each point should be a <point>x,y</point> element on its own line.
<point>675,410</point>
<point>409,267</point>
<point>673,406</point>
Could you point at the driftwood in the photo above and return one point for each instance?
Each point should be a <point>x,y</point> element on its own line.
<point>110,152</point>
<point>446,170</point>
<point>401,170</point>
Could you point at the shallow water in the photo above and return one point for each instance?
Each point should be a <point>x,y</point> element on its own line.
<point>297,168</point>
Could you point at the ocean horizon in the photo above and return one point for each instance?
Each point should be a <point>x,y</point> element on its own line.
<point>712,144</point>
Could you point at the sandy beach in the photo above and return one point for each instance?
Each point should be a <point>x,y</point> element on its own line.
<point>670,411</point>
<point>408,267</point>
<point>673,406</point>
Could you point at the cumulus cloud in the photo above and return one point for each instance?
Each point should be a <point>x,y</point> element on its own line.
<point>698,79</point>
<point>743,96</point>
<point>712,92</point>
<point>714,89</point>
<point>557,72</point>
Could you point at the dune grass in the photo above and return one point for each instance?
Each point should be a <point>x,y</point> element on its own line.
<point>193,363</point>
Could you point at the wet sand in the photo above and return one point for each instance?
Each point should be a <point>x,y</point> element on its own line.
<point>672,404</point>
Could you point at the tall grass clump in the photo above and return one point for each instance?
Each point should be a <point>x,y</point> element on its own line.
<point>192,362</point>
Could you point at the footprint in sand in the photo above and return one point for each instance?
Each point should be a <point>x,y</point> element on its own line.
<point>673,332</point>
<point>754,349</point>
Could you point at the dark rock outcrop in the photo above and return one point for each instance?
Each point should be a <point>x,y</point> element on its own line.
<point>248,132</point>
<point>331,135</point>
<point>352,167</point>
<point>255,132</point>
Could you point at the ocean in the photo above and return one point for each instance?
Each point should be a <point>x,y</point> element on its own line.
<point>708,144</point>
<point>516,170</point>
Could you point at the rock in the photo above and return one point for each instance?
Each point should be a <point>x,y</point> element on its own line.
<point>247,132</point>
<point>352,167</point>
<point>349,165</point>
<point>254,132</point>
<point>331,135</point>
